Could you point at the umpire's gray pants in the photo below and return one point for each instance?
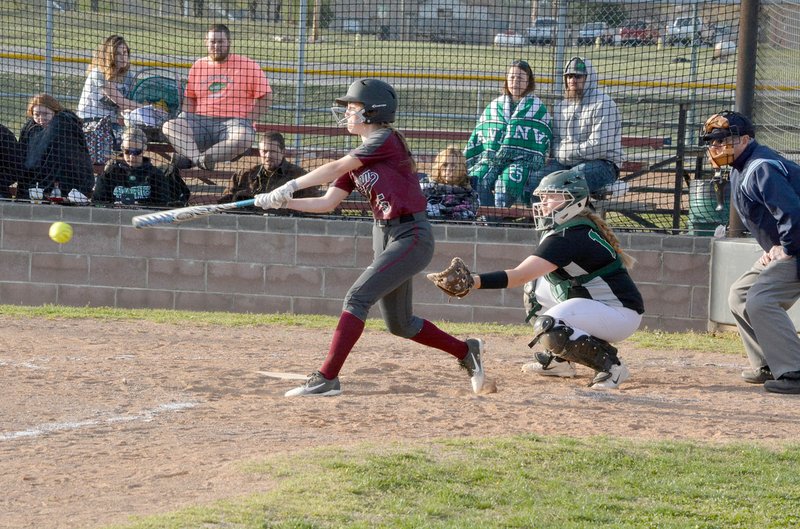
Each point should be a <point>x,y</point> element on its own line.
<point>401,251</point>
<point>759,300</point>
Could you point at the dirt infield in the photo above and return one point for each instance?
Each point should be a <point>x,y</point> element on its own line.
<point>100,420</point>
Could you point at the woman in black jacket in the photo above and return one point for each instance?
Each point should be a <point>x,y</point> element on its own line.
<point>54,148</point>
<point>135,180</point>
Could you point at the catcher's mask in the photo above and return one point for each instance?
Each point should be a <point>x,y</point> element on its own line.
<point>379,100</point>
<point>574,192</point>
<point>721,132</point>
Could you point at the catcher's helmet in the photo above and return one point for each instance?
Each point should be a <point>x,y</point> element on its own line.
<point>726,124</point>
<point>379,100</point>
<point>572,186</point>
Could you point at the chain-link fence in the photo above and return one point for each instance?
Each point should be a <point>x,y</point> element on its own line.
<point>667,66</point>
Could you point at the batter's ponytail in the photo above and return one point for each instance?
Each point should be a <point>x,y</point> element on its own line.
<point>402,138</point>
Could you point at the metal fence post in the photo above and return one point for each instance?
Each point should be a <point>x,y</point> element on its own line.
<point>300,93</point>
<point>48,50</point>
<point>679,171</point>
<point>745,80</point>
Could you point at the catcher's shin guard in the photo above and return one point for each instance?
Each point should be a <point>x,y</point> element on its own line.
<point>587,350</point>
<point>552,335</point>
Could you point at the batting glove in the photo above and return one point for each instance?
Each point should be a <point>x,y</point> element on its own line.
<point>271,200</point>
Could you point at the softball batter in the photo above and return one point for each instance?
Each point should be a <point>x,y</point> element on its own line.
<point>382,170</point>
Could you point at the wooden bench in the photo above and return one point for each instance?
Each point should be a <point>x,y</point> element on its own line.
<point>458,136</point>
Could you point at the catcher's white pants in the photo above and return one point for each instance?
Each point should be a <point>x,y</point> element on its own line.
<point>587,316</point>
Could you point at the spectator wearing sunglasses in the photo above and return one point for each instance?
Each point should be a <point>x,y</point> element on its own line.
<point>133,179</point>
<point>587,132</point>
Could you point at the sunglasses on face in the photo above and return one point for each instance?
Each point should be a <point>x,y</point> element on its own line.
<point>132,152</point>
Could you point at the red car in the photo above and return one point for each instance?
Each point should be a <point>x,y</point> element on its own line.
<point>637,32</point>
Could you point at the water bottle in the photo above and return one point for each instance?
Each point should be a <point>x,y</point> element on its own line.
<point>56,193</point>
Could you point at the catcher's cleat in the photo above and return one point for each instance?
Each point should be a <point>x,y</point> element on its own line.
<point>549,366</point>
<point>612,378</point>
<point>473,363</point>
<point>316,385</point>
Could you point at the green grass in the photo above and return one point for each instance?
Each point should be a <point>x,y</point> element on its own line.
<point>727,342</point>
<point>524,482</point>
<point>528,481</point>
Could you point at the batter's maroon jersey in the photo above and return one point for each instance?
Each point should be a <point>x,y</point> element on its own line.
<point>387,177</point>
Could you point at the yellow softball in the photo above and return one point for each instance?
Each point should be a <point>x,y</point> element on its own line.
<point>61,232</point>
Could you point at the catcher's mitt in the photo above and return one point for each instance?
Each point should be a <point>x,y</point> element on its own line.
<point>455,280</point>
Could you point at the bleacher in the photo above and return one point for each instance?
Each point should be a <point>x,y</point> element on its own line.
<point>652,153</point>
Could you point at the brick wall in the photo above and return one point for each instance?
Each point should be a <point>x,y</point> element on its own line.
<point>255,263</point>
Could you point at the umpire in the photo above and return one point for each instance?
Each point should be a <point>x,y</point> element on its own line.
<point>766,194</point>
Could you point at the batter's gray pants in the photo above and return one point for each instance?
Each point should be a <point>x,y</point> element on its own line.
<point>401,251</point>
<point>759,300</point>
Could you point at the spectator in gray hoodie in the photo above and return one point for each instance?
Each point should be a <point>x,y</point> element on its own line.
<point>587,131</point>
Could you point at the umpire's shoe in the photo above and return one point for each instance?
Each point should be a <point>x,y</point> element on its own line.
<point>787,383</point>
<point>473,363</point>
<point>316,385</point>
<point>757,376</point>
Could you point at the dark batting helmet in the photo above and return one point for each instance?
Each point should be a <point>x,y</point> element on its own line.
<point>379,100</point>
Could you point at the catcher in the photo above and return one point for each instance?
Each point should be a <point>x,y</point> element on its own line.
<point>577,287</point>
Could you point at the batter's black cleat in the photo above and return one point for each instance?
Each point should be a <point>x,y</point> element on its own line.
<point>473,363</point>
<point>757,376</point>
<point>316,385</point>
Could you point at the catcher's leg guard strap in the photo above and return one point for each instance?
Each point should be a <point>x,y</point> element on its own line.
<point>591,352</point>
<point>553,336</point>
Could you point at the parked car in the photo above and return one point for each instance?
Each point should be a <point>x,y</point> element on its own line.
<point>688,30</point>
<point>726,33</point>
<point>591,31</point>
<point>510,38</point>
<point>726,38</point>
<point>636,32</point>
<point>543,31</point>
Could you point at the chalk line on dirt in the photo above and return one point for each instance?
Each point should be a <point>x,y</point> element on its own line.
<point>146,415</point>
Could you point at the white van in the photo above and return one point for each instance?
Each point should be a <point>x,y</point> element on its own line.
<point>687,30</point>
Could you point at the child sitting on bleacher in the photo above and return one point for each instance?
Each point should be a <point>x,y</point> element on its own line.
<point>449,193</point>
<point>135,180</point>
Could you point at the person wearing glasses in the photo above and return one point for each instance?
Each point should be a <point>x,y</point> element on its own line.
<point>587,132</point>
<point>510,140</point>
<point>133,179</point>
<point>765,191</point>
